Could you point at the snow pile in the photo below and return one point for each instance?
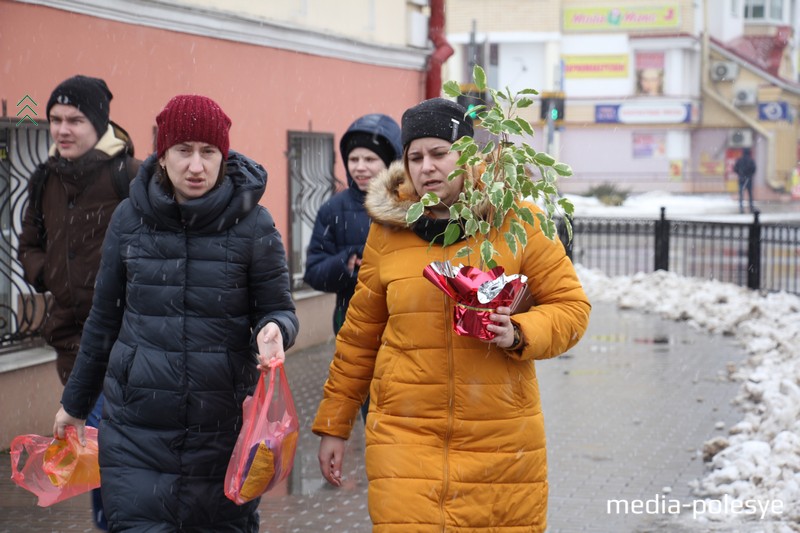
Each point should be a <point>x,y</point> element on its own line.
<point>755,471</point>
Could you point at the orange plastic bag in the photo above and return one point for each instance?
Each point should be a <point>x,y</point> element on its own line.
<point>264,452</point>
<point>55,470</point>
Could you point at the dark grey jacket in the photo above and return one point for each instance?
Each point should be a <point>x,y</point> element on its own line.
<point>182,291</point>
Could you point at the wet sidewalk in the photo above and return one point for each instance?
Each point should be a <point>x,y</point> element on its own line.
<point>627,412</point>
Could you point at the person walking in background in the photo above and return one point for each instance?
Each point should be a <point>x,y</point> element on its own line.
<point>193,282</point>
<point>369,146</point>
<point>455,433</point>
<point>70,200</point>
<point>745,168</point>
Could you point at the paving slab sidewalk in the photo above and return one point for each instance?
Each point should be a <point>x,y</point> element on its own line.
<point>627,412</point>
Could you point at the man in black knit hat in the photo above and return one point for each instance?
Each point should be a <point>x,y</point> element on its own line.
<point>70,200</point>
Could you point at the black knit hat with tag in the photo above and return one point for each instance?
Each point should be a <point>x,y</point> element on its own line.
<point>90,95</point>
<point>370,141</point>
<point>437,117</point>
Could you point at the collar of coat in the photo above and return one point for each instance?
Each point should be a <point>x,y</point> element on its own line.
<point>236,196</point>
<point>392,192</point>
<point>113,141</point>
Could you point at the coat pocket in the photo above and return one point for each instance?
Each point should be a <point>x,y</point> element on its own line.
<point>522,376</point>
<point>120,362</point>
<point>382,378</point>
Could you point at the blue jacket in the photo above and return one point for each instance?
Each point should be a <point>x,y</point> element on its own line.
<point>182,291</point>
<point>342,224</point>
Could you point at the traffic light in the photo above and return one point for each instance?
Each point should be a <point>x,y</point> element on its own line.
<point>471,98</point>
<point>552,103</point>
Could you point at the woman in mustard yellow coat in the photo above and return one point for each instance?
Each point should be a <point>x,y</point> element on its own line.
<point>455,435</point>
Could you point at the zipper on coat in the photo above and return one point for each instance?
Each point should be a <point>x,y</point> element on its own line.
<point>448,336</point>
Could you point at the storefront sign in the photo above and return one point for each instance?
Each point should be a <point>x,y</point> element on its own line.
<point>615,66</point>
<point>621,18</point>
<point>643,113</point>
<point>709,166</point>
<point>773,111</point>
<point>649,145</point>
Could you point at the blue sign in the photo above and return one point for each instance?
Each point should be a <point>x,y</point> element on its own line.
<point>606,113</point>
<point>773,111</point>
<point>656,112</point>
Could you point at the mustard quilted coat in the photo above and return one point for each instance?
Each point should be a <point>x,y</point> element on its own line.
<point>455,434</point>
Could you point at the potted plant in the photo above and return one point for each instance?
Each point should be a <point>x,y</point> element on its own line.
<point>506,170</point>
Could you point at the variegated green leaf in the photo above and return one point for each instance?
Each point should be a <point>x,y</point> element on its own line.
<point>414,212</point>
<point>512,126</point>
<point>563,169</point>
<point>487,252</point>
<point>511,241</point>
<point>479,76</point>
<point>430,199</point>
<point>461,143</point>
<point>527,216</point>
<point>463,252</point>
<point>451,88</point>
<point>544,159</point>
<point>451,233</point>
<point>471,227</point>
<point>525,126</point>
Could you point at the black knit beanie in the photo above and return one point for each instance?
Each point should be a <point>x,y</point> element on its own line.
<point>437,117</point>
<point>90,95</point>
<point>370,141</point>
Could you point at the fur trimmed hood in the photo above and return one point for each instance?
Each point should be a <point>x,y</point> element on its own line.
<point>392,192</point>
<point>390,195</point>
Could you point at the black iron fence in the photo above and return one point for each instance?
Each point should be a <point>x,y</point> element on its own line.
<point>22,309</point>
<point>755,255</point>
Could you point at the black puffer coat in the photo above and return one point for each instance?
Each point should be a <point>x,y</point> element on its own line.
<point>182,291</point>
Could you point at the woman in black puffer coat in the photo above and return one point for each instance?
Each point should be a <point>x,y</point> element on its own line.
<point>193,281</point>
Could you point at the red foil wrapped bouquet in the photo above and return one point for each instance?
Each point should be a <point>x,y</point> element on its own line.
<point>477,294</point>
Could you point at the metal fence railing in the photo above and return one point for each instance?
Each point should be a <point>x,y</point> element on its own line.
<point>755,255</point>
<point>22,309</point>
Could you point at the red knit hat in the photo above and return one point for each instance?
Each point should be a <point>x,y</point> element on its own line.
<point>192,118</point>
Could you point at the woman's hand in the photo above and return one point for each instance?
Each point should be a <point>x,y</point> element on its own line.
<point>502,327</point>
<point>353,262</point>
<point>63,419</point>
<point>270,347</point>
<point>331,456</point>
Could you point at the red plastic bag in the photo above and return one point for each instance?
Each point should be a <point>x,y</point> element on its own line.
<point>55,470</point>
<point>264,453</point>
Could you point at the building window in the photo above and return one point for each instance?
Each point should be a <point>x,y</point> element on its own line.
<point>776,10</point>
<point>764,10</point>
<point>311,183</point>
<point>754,9</point>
